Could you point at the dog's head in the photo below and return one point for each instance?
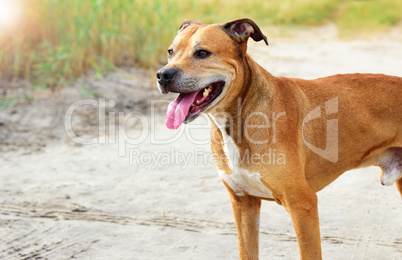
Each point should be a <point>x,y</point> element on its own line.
<point>204,62</point>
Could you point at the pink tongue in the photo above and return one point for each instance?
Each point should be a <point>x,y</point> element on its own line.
<point>178,109</point>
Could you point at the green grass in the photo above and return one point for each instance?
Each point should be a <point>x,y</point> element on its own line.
<point>8,102</point>
<point>57,40</point>
<point>370,15</point>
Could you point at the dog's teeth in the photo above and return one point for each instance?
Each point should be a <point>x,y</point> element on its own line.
<point>206,91</point>
<point>197,102</point>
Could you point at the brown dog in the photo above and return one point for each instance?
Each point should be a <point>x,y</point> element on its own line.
<point>278,138</point>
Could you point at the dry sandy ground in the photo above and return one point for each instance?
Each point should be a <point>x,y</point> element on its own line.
<point>160,197</point>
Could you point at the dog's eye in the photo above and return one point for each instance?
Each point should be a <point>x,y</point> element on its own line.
<point>170,53</point>
<point>202,54</point>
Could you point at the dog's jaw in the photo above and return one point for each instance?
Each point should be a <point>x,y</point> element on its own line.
<point>210,101</point>
<point>188,106</point>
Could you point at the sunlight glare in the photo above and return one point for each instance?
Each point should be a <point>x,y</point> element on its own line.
<point>8,12</point>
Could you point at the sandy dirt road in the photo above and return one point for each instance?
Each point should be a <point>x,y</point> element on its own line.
<point>155,193</point>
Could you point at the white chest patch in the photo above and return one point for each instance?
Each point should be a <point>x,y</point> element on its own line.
<point>241,181</point>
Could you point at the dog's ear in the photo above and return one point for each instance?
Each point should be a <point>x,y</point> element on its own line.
<point>186,23</point>
<point>243,29</point>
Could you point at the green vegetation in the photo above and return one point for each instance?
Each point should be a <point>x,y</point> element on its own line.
<point>8,102</point>
<point>55,40</point>
<point>370,15</point>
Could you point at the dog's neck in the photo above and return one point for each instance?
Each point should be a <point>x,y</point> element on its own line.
<point>255,84</point>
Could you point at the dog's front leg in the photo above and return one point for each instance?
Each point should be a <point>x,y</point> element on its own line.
<point>302,207</point>
<point>246,211</point>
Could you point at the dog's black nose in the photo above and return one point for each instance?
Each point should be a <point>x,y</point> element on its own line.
<point>165,75</point>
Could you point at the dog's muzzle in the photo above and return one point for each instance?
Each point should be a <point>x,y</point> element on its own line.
<point>165,76</point>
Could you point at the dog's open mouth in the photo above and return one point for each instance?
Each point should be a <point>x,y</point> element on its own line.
<point>187,106</point>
